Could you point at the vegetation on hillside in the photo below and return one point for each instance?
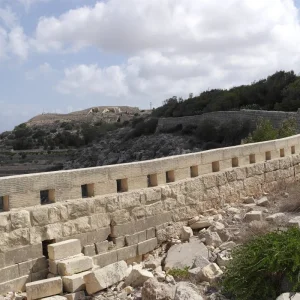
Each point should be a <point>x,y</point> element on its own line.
<point>261,266</point>
<point>280,91</point>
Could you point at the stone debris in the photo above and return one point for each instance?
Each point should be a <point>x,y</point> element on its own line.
<point>211,273</point>
<point>253,216</point>
<point>289,296</point>
<point>202,223</point>
<point>186,233</point>
<point>138,276</point>
<point>263,202</point>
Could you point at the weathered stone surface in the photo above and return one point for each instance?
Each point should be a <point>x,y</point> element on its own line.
<point>138,276</point>
<point>147,246</point>
<point>102,247</point>
<point>227,245</point>
<point>200,262</point>
<point>55,298</point>
<point>223,258</point>
<point>74,265</point>
<point>253,216</point>
<point>295,221</point>
<point>76,296</point>
<point>89,250</point>
<point>64,249</point>
<point>20,219</point>
<point>154,290</point>
<point>184,255</point>
<point>186,291</point>
<point>211,273</point>
<point>74,283</point>
<point>186,233</point>
<point>212,239</point>
<point>276,218</point>
<point>105,259</point>
<point>44,288</point>
<point>107,276</point>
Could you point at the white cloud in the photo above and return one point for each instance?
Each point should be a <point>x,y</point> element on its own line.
<point>43,70</point>
<point>174,46</point>
<point>17,42</point>
<point>28,3</point>
<point>8,17</point>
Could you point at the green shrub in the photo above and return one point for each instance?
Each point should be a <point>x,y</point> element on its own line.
<point>259,266</point>
<point>288,127</point>
<point>264,132</point>
<point>179,273</point>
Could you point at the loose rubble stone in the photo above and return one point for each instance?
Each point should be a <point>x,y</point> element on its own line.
<point>227,246</point>
<point>193,220</point>
<point>154,290</point>
<point>249,200</point>
<point>200,261</point>
<point>152,263</point>
<point>212,239</point>
<point>103,278</point>
<point>223,258</point>
<point>263,202</point>
<point>186,233</point>
<point>202,223</point>
<point>74,265</point>
<point>276,218</point>
<point>138,276</point>
<point>186,291</point>
<point>183,255</point>
<point>76,296</point>
<point>64,249</point>
<point>233,210</point>
<point>253,216</point>
<point>211,273</point>
<point>295,221</point>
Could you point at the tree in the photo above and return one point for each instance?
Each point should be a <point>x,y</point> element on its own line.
<point>264,132</point>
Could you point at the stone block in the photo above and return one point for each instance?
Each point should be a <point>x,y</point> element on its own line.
<point>74,265</point>
<point>253,216</point>
<point>147,246</point>
<point>74,283</point>
<point>44,288</point>
<point>150,233</point>
<point>25,268</point>
<point>98,236</point>
<point>127,252</point>
<point>64,249</point>
<point>57,297</point>
<point>14,285</point>
<point>76,296</point>
<point>89,250</point>
<point>9,273</point>
<point>40,264</point>
<point>105,259</point>
<point>119,242</point>
<point>103,278</point>
<point>102,247</point>
<point>132,239</point>
<point>142,236</point>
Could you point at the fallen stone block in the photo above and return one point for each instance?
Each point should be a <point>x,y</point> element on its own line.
<point>200,262</point>
<point>103,278</point>
<point>227,245</point>
<point>211,273</point>
<point>223,259</point>
<point>138,276</point>
<point>276,218</point>
<point>14,285</point>
<point>64,249</point>
<point>74,283</point>
<point>289,296</point>
<point>55,298</point>
<point>74,265</point>
<point>253,216</point>
<point>184,255</point>
<point>89,250</point>
<point>212,239</point>
<point>295,221</point>
<point>263,202</point>
<point>202,223</point>
<point>44,288</point>
<point>152,289</point>
<point>186,233</point>
<point>186,290</point>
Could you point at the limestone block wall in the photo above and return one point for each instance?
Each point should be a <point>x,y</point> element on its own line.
<point>42,188</point>
<point>125,226</point>
<point>276,117</point>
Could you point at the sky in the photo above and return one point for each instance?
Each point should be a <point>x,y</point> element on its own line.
<point>65,55</point>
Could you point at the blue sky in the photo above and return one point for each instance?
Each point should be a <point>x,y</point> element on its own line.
<point>65,55</point>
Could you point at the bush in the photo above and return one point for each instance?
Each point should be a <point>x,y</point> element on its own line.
<point>287,128</point>
<point>260,266</point>
<point>179,274</point>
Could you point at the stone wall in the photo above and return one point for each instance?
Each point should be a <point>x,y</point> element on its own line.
<point>126,225</point>
<point>276,117</point>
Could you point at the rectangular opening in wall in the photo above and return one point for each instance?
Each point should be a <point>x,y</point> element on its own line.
<point>293,149</point>
<point>170,176</point>
<point>45,246</point>
<point>268,155</point>
<point>252,158</point>
<point>281,152</point>
<point>152,180</point>
<point>87,190</point>
<point>215,166</point>
<point>122,185</point>
<point>47,196</point>
<point>194,171</point>
<point>235,162</point>
<point>4,203</point>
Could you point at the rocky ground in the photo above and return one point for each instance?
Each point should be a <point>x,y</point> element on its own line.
<point>191,264</point>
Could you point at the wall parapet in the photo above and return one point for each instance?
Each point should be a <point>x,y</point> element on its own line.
<point>43,188</point>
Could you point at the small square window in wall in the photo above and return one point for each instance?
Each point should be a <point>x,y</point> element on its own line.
<point>152,180</point>
<point>268,155</point>
<point>4,203</point>
<point>87,190</point>
<point>47,196</point>
<point>252,159</point>
<point>170,176</point>
<point>235,162</point>
<point>293,149</point>
<point>122,185</point>
<point>215,166</point>
<point>282,152</point>
<point>194,171</point>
